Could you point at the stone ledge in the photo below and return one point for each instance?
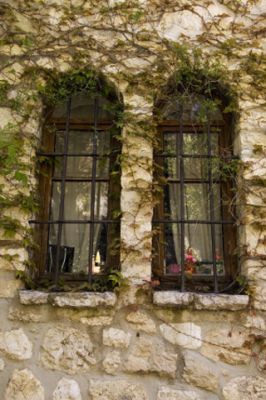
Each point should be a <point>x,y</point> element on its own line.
<point>201,301</point>
<point>73,300</point>
<point>29,297</point>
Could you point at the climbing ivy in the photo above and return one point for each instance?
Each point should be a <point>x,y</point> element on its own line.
<point>49,51</point>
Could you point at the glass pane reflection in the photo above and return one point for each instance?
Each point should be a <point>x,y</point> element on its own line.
<point>198,257</point>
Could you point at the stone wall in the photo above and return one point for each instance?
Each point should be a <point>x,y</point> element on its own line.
<point>136,345</point>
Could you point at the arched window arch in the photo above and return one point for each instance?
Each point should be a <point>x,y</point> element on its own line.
<point>78,225</point>
<point>195,239</point>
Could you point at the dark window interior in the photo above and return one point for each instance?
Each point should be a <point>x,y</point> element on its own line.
<point>78,227</point>
<point>194,245</point>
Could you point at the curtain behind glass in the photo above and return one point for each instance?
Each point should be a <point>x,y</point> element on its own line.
<point>78,194</point>
<point>198,239</point>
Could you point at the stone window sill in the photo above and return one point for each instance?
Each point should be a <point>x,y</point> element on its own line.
<point>201,301</point>
<point>72,300</point>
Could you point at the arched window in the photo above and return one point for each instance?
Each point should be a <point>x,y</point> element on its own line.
<point>78,226</point>
<point>194,241</point>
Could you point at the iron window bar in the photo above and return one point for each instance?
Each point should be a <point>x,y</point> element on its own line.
<point>188,180</point>
<point>179,156</point>
<point>62,194</point>
<point>93,189</point>
<point>94,179</point>
<point>213,237</point>
<point>111,221</point>
<point>73,179</point>
<point>207,156</point>
<point>192,221</point>
<point>179,152</point>
<point>74,221</point>
<point>60,154</point>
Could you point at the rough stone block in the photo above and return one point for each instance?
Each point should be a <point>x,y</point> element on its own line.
<point>67,389</point>
<point>87,299</point>
<point>15,344</point>
<point>28,297</point>
<point>166,393</point>
<point>96,321</point>
<point>24,385</point>
<point>151,355</point>
<point>229,344</point>
<point>200,372</point>
<point>6,116</point>
<point>185,334</point>
<point>116,338</point>
<point>172,298</point>
<point>261,361</point>
<point>174,25</point>
<point>9,287</point>
<point>116,390</point>
<point>112,362</point>
<point>67,349</point>
<point>141,321</point>
<point>16,257</point>
<point>201,301</point>
<point>245,388</point>
<point>24,315</point>
<point>220,302</point>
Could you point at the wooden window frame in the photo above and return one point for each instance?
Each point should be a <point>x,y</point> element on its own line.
<point>195,282</point>
<point>46,173</point>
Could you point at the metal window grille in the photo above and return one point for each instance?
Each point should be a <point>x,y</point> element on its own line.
<point>59,255</point>
<point>214,281</point>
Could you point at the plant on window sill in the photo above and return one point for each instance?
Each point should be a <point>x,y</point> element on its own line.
<point>113,281</point>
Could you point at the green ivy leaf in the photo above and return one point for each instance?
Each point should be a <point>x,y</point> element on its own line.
<point>19,176</point>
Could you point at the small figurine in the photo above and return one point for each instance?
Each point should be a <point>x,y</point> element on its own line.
<point>218,256</point>
<point>219,262</point>
<point>190,261</point>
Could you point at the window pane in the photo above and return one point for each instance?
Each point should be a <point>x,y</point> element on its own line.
<point>217,207</point>
<point>197,144</point>
<point>77,200</point>
<point>77,167</point>
<point>198,241</point>
<point>172,201</point>
<point>196,168</point>
<point>101,200</point>
<point>59,141</point>
<point>202,168</point>
<point>196,201</point>
<point>74,248</point>
<point>83,108</point>
<point>78,141</point>
<point>172,167</point>
<point>99,247</point>
<point>55,200</point>
<point>102,168</point>
<point>191,108</point>
<point>170,143</point>
<point>81,167</point>
<point>82,141</point>
<point>198,249</point>
<point>103,142</point>
<point>172,248</point>
<point>219,254</point>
